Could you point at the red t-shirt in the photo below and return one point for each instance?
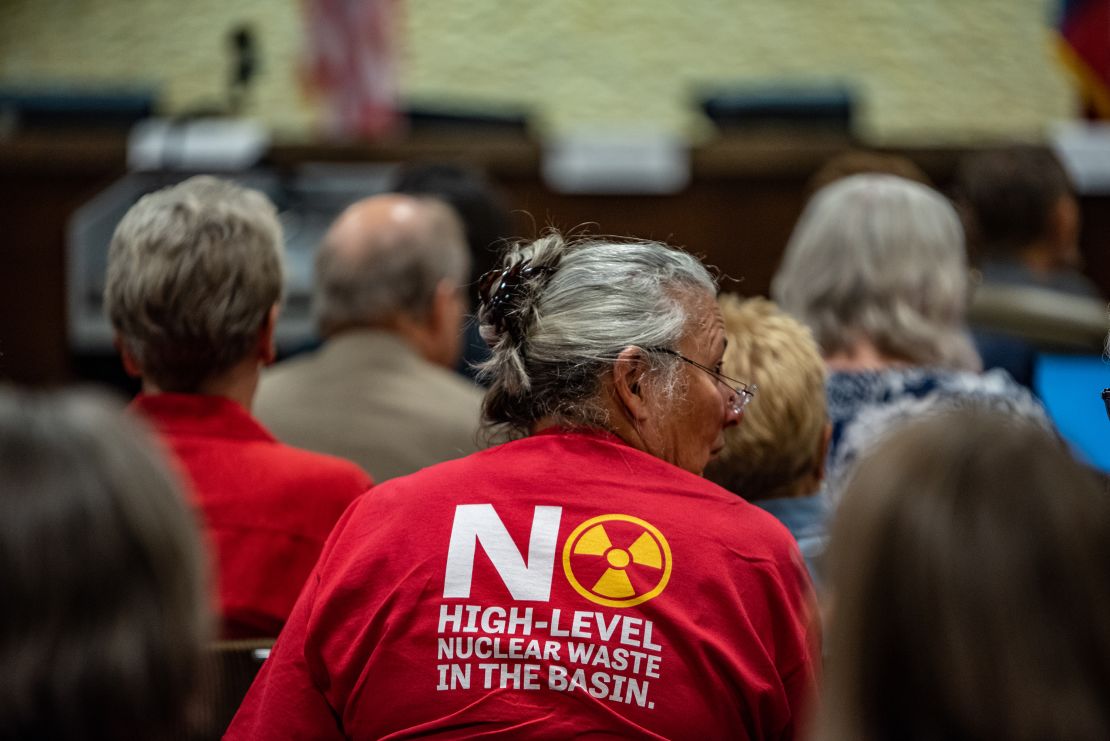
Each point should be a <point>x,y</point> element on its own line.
<point>266,508</point>
<point>560,585</point>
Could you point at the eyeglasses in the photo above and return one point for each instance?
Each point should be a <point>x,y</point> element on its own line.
<point>743,393</point>
<point>1106,401</point>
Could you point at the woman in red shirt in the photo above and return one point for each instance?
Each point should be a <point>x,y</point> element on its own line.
<point>581,578</point>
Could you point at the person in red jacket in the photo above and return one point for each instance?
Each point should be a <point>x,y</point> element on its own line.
<point>580,579</point>
<point>193,285</point>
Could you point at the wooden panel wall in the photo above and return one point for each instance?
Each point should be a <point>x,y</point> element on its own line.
<point>737,213</point>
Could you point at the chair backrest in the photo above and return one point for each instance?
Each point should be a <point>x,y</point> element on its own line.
<point>1047,319</point>
<point>228,671</point>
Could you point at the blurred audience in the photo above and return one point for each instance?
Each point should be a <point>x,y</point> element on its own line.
<point>863,162</point>
<point>1022,221</point>
<point>776,457</point>
<point>972,589</point>
<point>389,299</point>
<point>605,374</point>
<point>105,605</point>
<point>877,268</point>
<point>193,284</point>
<point>488,224</point>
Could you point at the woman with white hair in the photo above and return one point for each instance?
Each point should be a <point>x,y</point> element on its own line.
<point>580,579</point>
<point>877,268</point>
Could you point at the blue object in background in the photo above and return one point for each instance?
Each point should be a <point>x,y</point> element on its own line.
<point>1071,388</point>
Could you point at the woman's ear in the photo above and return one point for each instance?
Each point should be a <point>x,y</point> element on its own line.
<point>628,373</point>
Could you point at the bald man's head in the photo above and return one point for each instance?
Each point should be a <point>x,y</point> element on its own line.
<point>384,257</point>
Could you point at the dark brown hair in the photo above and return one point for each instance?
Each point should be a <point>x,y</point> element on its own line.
<point>104,614</point>
<point>1007,196</point>
<point>863,162</point>
<point>970,573</point>
<point>477,201</point>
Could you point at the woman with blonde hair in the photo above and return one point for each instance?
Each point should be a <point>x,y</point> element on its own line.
<point>776,458</point>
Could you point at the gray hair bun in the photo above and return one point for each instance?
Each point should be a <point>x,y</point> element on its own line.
<point>558,312</point>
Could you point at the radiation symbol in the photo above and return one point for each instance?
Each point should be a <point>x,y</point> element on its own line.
<point>617,560</point>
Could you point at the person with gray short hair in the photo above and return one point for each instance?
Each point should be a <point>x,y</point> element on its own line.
<point>582,578</point>
<point>389,300</point>
<point>877,268</point>
<point>173,253</point>
<point>193,285</point>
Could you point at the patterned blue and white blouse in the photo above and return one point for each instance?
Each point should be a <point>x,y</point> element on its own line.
<point>864,405</point>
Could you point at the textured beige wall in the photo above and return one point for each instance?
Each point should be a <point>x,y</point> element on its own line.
<point>180,46</point>
<point>929,70</point>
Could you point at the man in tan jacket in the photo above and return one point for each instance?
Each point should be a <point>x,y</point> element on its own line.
<point>389,301</point>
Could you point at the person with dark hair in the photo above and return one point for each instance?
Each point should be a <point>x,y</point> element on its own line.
<point>479,206</point>
<point>486,219</point>
<point>194,279</point>
<point>582,578</point>
<point>865,162</point>
<point>972,589</point>
<point>1022,222</point>
<point>1022,218</point>
<point>105,597</point>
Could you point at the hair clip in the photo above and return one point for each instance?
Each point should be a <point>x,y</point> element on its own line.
<point>506,296</point>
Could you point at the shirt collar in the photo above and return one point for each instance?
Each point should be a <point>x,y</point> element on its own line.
<point>211,416</point>
<point>591,432</point>
<point>365,346</point>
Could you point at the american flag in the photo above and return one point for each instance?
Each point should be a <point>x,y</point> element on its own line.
<point>1084,29</point>
<point>350,64</point>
